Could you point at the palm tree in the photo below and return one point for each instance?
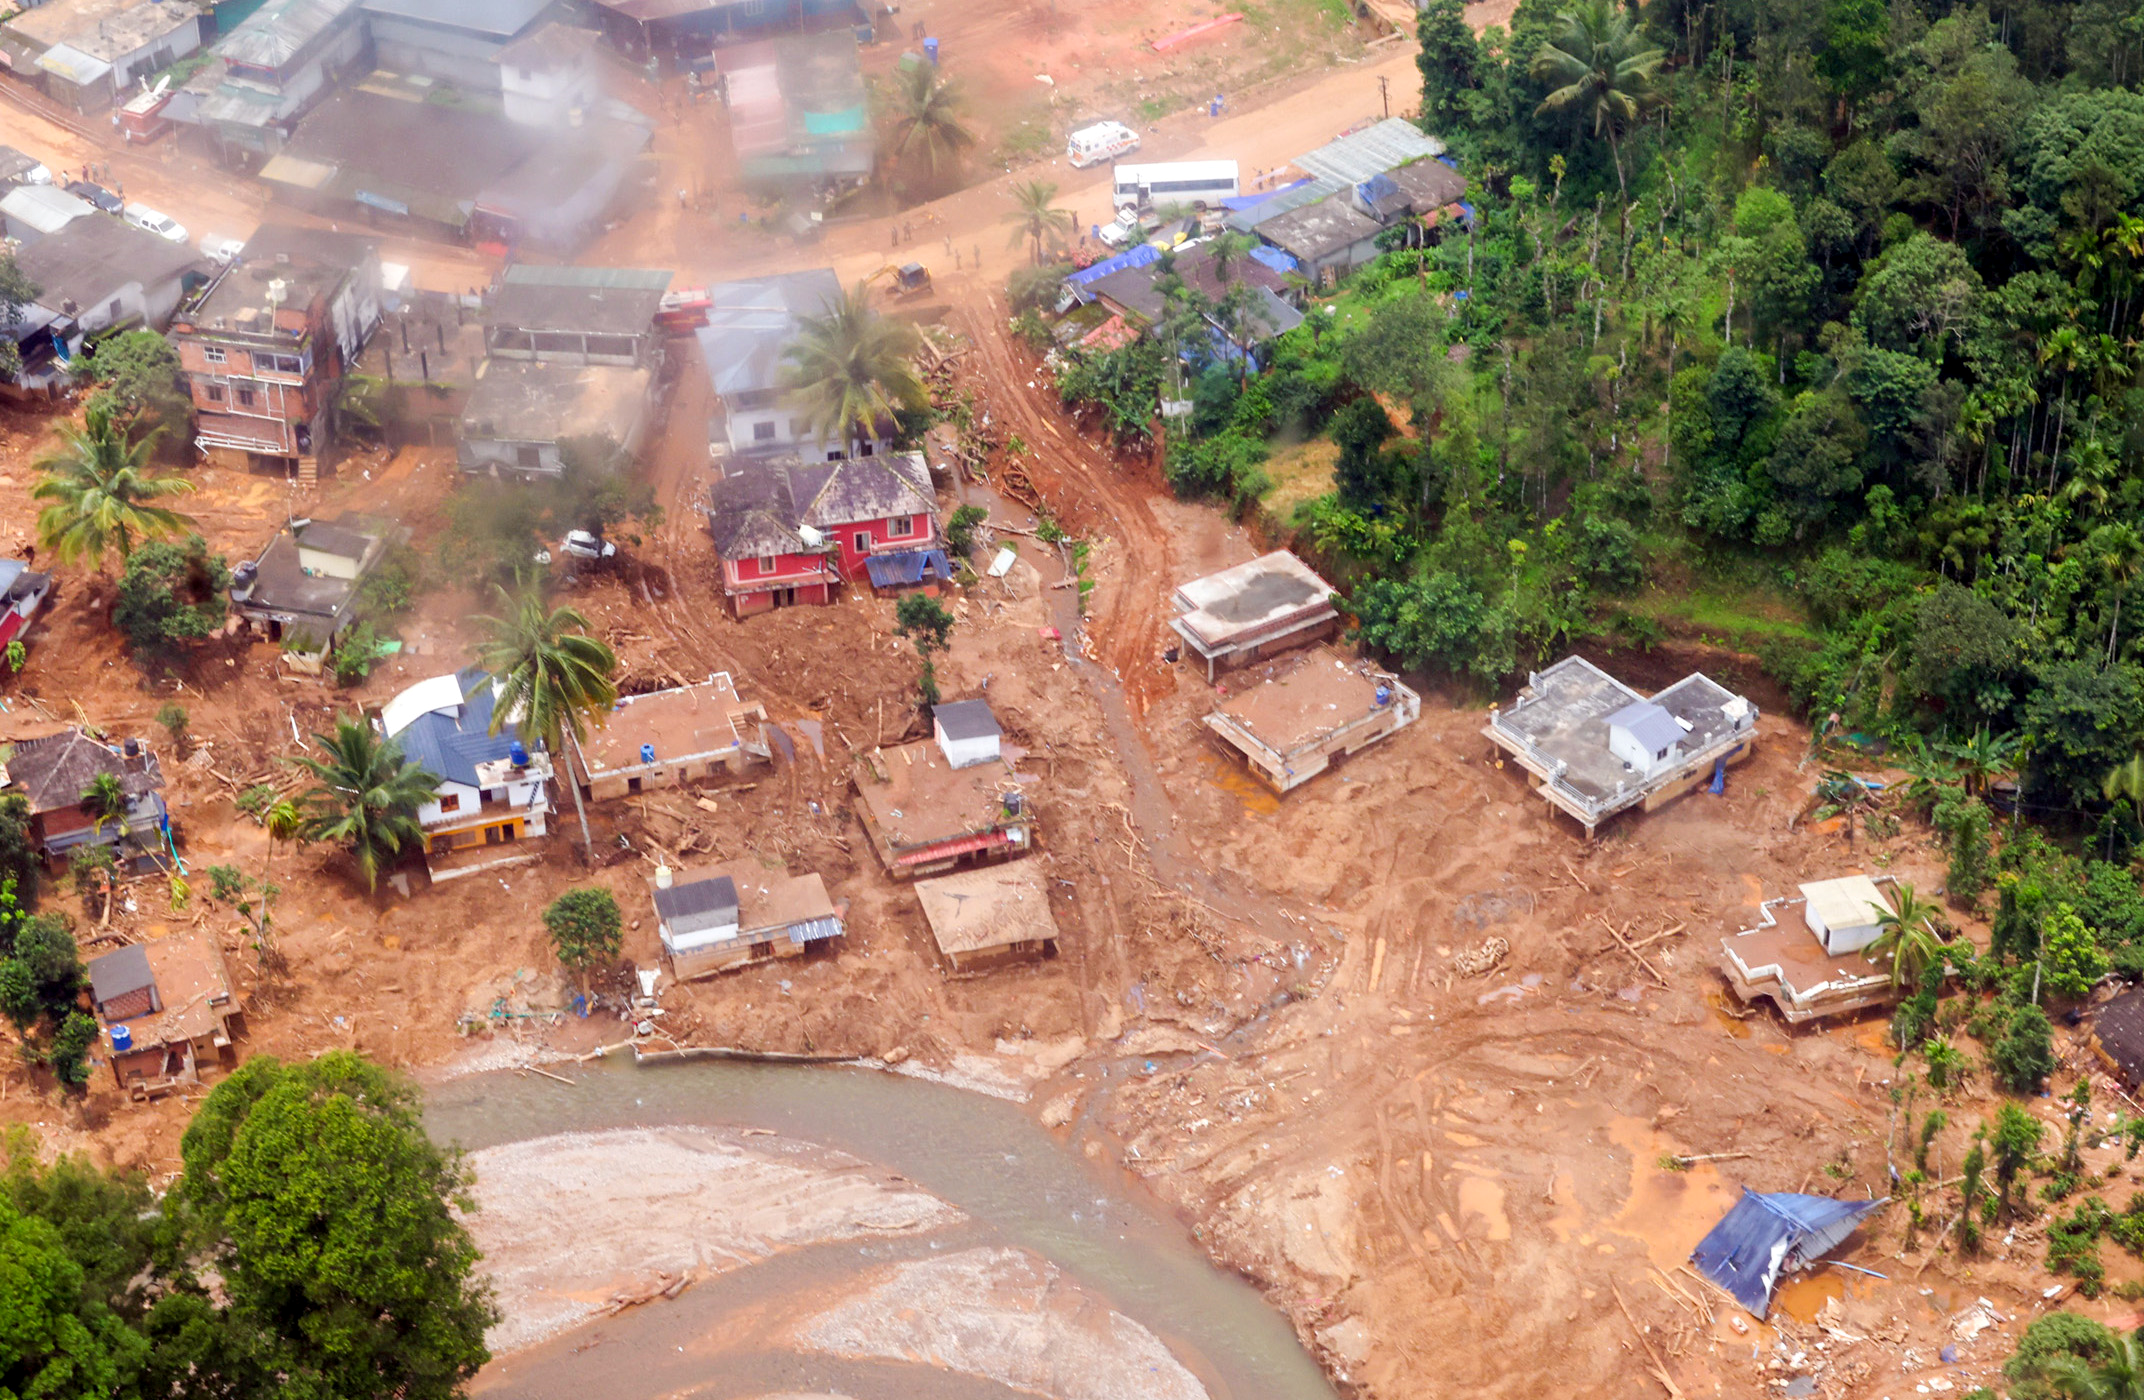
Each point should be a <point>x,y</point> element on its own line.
<point>365,795</point>
<point>1909,936</point>
<point>2126,780</point>
<point>1603,68</point>
<point>1034,214</point>
<point>97,487</point>
<point>1982,757</point>
<point>851,369</point>
<point>2118,1374</point>
<point>105,800</point>
<point>551,676</point>
<point>2119,552</point>
<point>926,118</point>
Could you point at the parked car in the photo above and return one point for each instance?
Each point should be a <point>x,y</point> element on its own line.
<point>222,251</point>
<point>1125,230</point>
<point>162,225</point>
<point>96,195</point>
<point>579,544</point>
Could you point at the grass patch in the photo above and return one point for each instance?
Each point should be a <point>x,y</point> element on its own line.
<point>1298,475</point>
<point>1739,615</point>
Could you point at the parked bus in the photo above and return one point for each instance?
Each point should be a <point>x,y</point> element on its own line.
<point>1194,182</point>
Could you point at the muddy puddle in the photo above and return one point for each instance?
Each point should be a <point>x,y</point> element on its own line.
<point>1089,1232</point>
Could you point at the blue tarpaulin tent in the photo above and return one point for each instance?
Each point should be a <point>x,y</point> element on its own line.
<point>907,567</point>
<point>1765,1236</point>
<point>1138,257</point>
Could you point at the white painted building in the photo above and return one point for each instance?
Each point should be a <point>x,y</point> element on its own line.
<point>967,732</point>
<point>1844,914</point>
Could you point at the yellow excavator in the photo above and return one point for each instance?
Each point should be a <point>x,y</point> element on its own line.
<point>908,280</point>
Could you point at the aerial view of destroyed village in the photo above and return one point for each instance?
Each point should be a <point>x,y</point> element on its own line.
<point>1029,700</point>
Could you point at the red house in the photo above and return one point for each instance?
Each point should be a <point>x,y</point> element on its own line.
<point>790,532</point>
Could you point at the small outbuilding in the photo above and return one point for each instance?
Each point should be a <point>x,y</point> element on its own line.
<point>966,731</point>
<point>983,919</point>
<point>1845,914</point>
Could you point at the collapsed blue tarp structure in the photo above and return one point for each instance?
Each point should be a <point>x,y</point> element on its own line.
<point>909,566</point>
<point>1765,1236</point>
<point>1138,257</point>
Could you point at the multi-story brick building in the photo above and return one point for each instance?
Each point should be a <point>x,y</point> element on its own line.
<point>265,345</point>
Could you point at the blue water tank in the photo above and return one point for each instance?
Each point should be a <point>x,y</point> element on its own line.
<point>930,51</point>
<point>122,1039</point>
<point>647,753</point>
<point>517,754</point>
<point>1384,695</point>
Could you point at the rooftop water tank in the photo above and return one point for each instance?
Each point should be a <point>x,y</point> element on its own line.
<point>122,1039</point>
<point>663,877</point>
<point>1384,695</point>
<point>517,754</point>
<point>647,753</point>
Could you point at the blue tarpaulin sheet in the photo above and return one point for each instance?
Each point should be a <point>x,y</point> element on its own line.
<point>1767,1235</point>
<point>1138,257</point>
<point>1274,258</point>
<point>908,566</point>
<point>1251,201</point>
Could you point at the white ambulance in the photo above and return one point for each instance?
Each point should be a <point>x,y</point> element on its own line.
<point>1091,145</point>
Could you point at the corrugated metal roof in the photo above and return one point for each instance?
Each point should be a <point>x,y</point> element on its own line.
<point>641,279</point>
<point>274,34</point>
<point>1372,151</point>
<point>69,62</point>
<point>499,18</point>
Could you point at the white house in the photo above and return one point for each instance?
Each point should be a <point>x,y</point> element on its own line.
<point>549,77</point>
<point>967,732</point>
<point>1844,914</point>
<point>493,791</point>
<point>1646,737</point>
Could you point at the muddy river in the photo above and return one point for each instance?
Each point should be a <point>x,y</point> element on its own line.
<point>1033,1270</point>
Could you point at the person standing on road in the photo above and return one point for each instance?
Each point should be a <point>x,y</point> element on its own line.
<point>978,257</point>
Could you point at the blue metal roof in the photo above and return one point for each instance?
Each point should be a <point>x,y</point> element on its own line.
<point>1138,257</point>
<point>452,744</point>
<point>1767,1235</point>
<point>906,567</point>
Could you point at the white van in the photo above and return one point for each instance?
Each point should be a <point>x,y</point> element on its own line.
<point>1091,145</point>
<point>162,225</point>
<point>1196,183</point>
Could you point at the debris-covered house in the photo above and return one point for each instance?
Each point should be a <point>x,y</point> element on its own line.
<point>791,532</point>
<point>1128,286</point>
<point>660,738</point>
<point>270,70</point>
<point>2117,1037</point>
<point>1816,964</point>
<point>749,325</point>
<point>1355,187</point>
<point>494,790</point>
<point>168,1009</point>
<point>1253,611</point>
<point>1292,725</point>
<point>54,772</point>
<point>98,276</point>
<point>1597,747</point>
<point>739,913</point>
<point>950,800</point>
<point>1327,237</point>
<point>426,356</point>
<point>799,116</point>
<point>265,345</point>
<point>576,315</point>
<point>986,918</point>
<point>304,585</point>
<point>87,54</point>
<point>522,419</point>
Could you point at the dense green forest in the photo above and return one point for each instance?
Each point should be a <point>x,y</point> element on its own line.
<point>1807,324</point>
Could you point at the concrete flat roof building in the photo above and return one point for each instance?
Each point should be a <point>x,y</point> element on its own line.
<point>986,918</point>
<point>672,736</point>
<point>1784,960</point>
<point>1571,727</point>
<point>924,815</point>
<point>1290,726</point>
<point>520,417</point>
<point>1249,612</point>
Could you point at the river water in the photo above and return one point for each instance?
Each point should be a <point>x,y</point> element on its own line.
<point>1022,1187</point>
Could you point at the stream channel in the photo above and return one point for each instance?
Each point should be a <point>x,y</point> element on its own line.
<point>1022,1188</point>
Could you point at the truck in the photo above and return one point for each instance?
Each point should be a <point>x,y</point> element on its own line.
<point>1091,145</point>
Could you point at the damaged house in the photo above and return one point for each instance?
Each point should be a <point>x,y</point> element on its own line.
<point>789,532</point>
<point>739,913</point>
<point>950,800</point>
<point>494,791</point>
<point>1311,712</point>
<point>54,772</point>
<point>304,585</point>
<point>167,1009</point>
<point>661,738</point>
<point>1816,964</point>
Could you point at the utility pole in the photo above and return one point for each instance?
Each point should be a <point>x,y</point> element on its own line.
<point>1384,93</point>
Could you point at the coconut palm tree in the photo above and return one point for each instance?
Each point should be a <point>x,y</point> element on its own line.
<point>105,800</point>
<point>851,369</point>
<point>1034,214</point>
<point>2117,1374</point>
<point>1909,936</point>
<point>2118,550</point>
<point>365,795</point>
<point>1603,69</point>
<point>926,118</point>
<point>550,675</point>
<point>97,488</point>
